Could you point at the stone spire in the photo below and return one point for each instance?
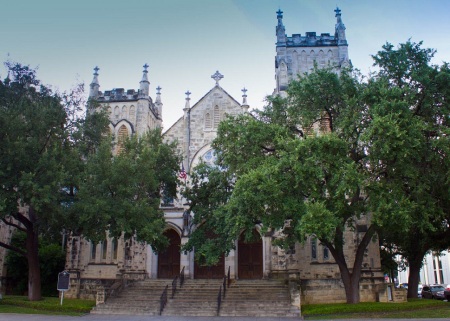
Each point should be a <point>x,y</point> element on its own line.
<point>94,86</point>
<point>340,28</point>
<point>158,102</point>
<point>245,105</point>
<point>280,30</point>
<point>145,84</point>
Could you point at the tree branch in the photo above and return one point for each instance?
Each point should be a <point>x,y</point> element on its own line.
<point>13,225</point>
<point>13,248</point>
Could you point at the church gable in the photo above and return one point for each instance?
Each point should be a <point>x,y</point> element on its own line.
<point>198,127</point>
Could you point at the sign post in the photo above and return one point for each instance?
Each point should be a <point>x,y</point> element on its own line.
<point>63,283</point>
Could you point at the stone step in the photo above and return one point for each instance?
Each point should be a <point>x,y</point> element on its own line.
<point>251,298</point>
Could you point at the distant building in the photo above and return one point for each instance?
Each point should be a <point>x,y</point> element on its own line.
<point>435,269</point>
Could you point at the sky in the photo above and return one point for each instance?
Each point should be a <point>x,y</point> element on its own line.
<point>186,41</point>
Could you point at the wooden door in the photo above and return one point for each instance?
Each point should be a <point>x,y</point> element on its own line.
<point>250,257</point>
<point>169,260</point>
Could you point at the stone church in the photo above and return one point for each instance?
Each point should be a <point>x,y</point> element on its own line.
<point>132,112</point>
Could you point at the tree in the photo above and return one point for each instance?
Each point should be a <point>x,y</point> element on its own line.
<point>277,168</point>
<point>32,121</point>
<point>408,146</point>
<point>44,136</point>
<point>122,193</point>
<point>340,153</point>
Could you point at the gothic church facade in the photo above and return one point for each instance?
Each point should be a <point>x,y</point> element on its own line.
<point>133,112</point>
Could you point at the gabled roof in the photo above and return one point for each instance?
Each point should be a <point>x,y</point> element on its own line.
<point>200,100</point>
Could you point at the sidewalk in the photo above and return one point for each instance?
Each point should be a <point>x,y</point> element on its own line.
<point>93,317</point>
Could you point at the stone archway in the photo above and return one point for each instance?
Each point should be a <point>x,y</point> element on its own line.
<point>250,257</point>
<point>169,260</point>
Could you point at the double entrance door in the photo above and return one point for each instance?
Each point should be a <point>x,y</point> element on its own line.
<point>250,260</point>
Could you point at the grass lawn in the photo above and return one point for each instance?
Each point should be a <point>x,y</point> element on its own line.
<point>20,304</point>
<point>414,308</point>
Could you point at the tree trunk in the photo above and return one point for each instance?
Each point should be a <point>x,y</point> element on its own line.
<point>351,285</point>
<point>34,272</point>
<point>414,276</point>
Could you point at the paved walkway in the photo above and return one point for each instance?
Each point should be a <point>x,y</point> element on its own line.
<point>93,317</point>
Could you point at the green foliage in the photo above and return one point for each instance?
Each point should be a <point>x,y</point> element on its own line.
<point>375,310</point>
<point>45,141</point>
<point>337,149</point>
<point>408,144</point>
<point>122,193</point>
<point>51,258</point>
<point>20,304</point>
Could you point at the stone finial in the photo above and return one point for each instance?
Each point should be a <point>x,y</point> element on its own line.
<point>338,11</point>
<point>244,96</point>
<point>279,14</point>
<point>217,77</point>
<point>94,86</point>
<point>158,95</point>
<point>144,84</point>
<point>187,105</point>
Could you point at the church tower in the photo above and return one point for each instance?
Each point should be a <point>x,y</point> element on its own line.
<point>130,111</point>
<point>297,54</point>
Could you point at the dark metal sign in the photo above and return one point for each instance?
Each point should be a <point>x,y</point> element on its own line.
<point>63,281</point>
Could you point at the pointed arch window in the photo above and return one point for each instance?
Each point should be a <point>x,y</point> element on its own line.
<point>124,112</point>
<point>313,248</point>
<point>93,251</point>
<point>114,248</point>
<point>122,136</point>
<point>216,116</point>
<point>208,121</point>
<point>104,249</point>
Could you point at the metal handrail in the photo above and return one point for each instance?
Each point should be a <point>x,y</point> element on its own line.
<point>163,300</point>
<point>219,300</point>
<point>182,277</point>
<point>228,275</point>
<point>174,286</point>
<point>224,284</point>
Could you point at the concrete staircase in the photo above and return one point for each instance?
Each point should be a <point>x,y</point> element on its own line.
<point>251,298</point>
<point>258,298</point>
<point>139,298</point>
<point>197,297</point>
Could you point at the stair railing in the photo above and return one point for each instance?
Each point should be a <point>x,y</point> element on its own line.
<point>224,284</point>
<point>163,300</point>
<point>182,277</point>
<point>174,285</point>
<point>219,300</point>
<point>228,276</point>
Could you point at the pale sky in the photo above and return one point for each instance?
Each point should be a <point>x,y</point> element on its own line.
<point>186,41</point>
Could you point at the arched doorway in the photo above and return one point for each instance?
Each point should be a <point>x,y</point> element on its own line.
<point>169,260</point>
<point>250,257</point>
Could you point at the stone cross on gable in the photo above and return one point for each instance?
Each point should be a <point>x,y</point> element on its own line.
<point>338,11</point>
<point>158,90</point>
<point>145,67</point>
<point>187,94</point>
<point>217,76</point>
<point>96,69</point>
<point>244,90</point>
